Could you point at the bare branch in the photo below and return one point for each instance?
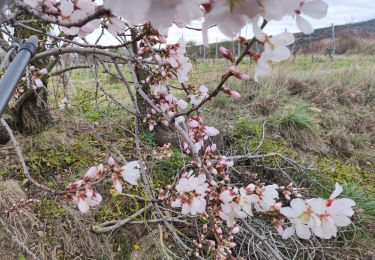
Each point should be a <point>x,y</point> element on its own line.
<point>100,11</point>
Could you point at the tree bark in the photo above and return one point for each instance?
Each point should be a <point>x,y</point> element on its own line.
<point>34,114</point>
<point>141,76</point>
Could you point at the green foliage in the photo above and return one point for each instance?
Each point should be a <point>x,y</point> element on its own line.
<point>148,139</point>
<point>295,117</point>
<point>118,206</point>
<point>47,209</point>
<point>334,170</point>
<point>247,136</point>
<point>166,169</point>
<point>365,201</point>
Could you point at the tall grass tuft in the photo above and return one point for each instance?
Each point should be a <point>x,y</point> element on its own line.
<point>295,117</point>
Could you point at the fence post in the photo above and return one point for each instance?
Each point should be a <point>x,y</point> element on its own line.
<point>333,41</point>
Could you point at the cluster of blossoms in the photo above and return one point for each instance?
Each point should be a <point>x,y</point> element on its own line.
<point>318,215</point>
<point>82,192</point>
<point>171,60</point>
<point>192,190</point>
<point>85,196</point>
<point>210,192</point>
<point>198,133</point>
<point>167,103</point>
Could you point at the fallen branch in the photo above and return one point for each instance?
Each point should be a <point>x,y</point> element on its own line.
<point>104,227</point>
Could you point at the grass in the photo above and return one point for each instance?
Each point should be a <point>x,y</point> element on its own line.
<point>295,119</point>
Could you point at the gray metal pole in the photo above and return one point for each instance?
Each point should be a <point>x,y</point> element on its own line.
<point>333,41</point>
<point>14,72</point>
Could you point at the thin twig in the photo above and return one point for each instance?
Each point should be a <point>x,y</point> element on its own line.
<point>103,228</point>
<point>263,240</point>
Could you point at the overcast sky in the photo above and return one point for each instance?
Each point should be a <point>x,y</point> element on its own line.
<point>339,12</point>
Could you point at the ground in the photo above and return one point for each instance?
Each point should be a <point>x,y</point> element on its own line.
<point>316,111</point>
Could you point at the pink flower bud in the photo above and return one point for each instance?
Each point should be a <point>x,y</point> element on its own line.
<point>232,93</point>
<point>100,170</point>
<point>226,53</point>
<point>111,162</point>
<point>235,71</point>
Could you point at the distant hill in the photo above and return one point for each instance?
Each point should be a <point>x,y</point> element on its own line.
<point>361,30</point>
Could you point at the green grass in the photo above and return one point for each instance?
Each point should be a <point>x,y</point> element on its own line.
<point>294,118</point>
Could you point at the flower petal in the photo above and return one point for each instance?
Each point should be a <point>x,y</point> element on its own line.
<point>304,25</point>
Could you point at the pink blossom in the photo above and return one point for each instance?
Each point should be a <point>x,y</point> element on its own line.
<point>193,123</point>
<point>234,94</point>
<point>211,131</point>
<point>117,183</point>
<point>227,196</point>
<point>111,162</point>
<point>316,9</point>
<point>226,53</point>
<point>72,13</point>
<point>91,173</point>
<point>130,172</point>
<point>182,104</point>
<point>230,211</point>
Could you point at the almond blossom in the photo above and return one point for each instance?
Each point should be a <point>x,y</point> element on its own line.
<point>130,172</point>
<point>230,211</point>
<point>191,194</point>
<point>85,200</point>
<point>179,62</point>
<point>160,13</point>
<point>275,49</point>
<point>246,201</point>
<point>332,213</point>
<point>48,4</point>
<point>229,16</point>
<point>267,197</point>
<point>322,217</point>
<point>201,95</point>
<point>316,9</point>
<point>134,12</point>
<point>301,216</point>
<point>115,25</point>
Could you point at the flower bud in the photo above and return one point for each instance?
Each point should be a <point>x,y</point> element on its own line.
<point>111,162</point>
<point>226,53</point>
